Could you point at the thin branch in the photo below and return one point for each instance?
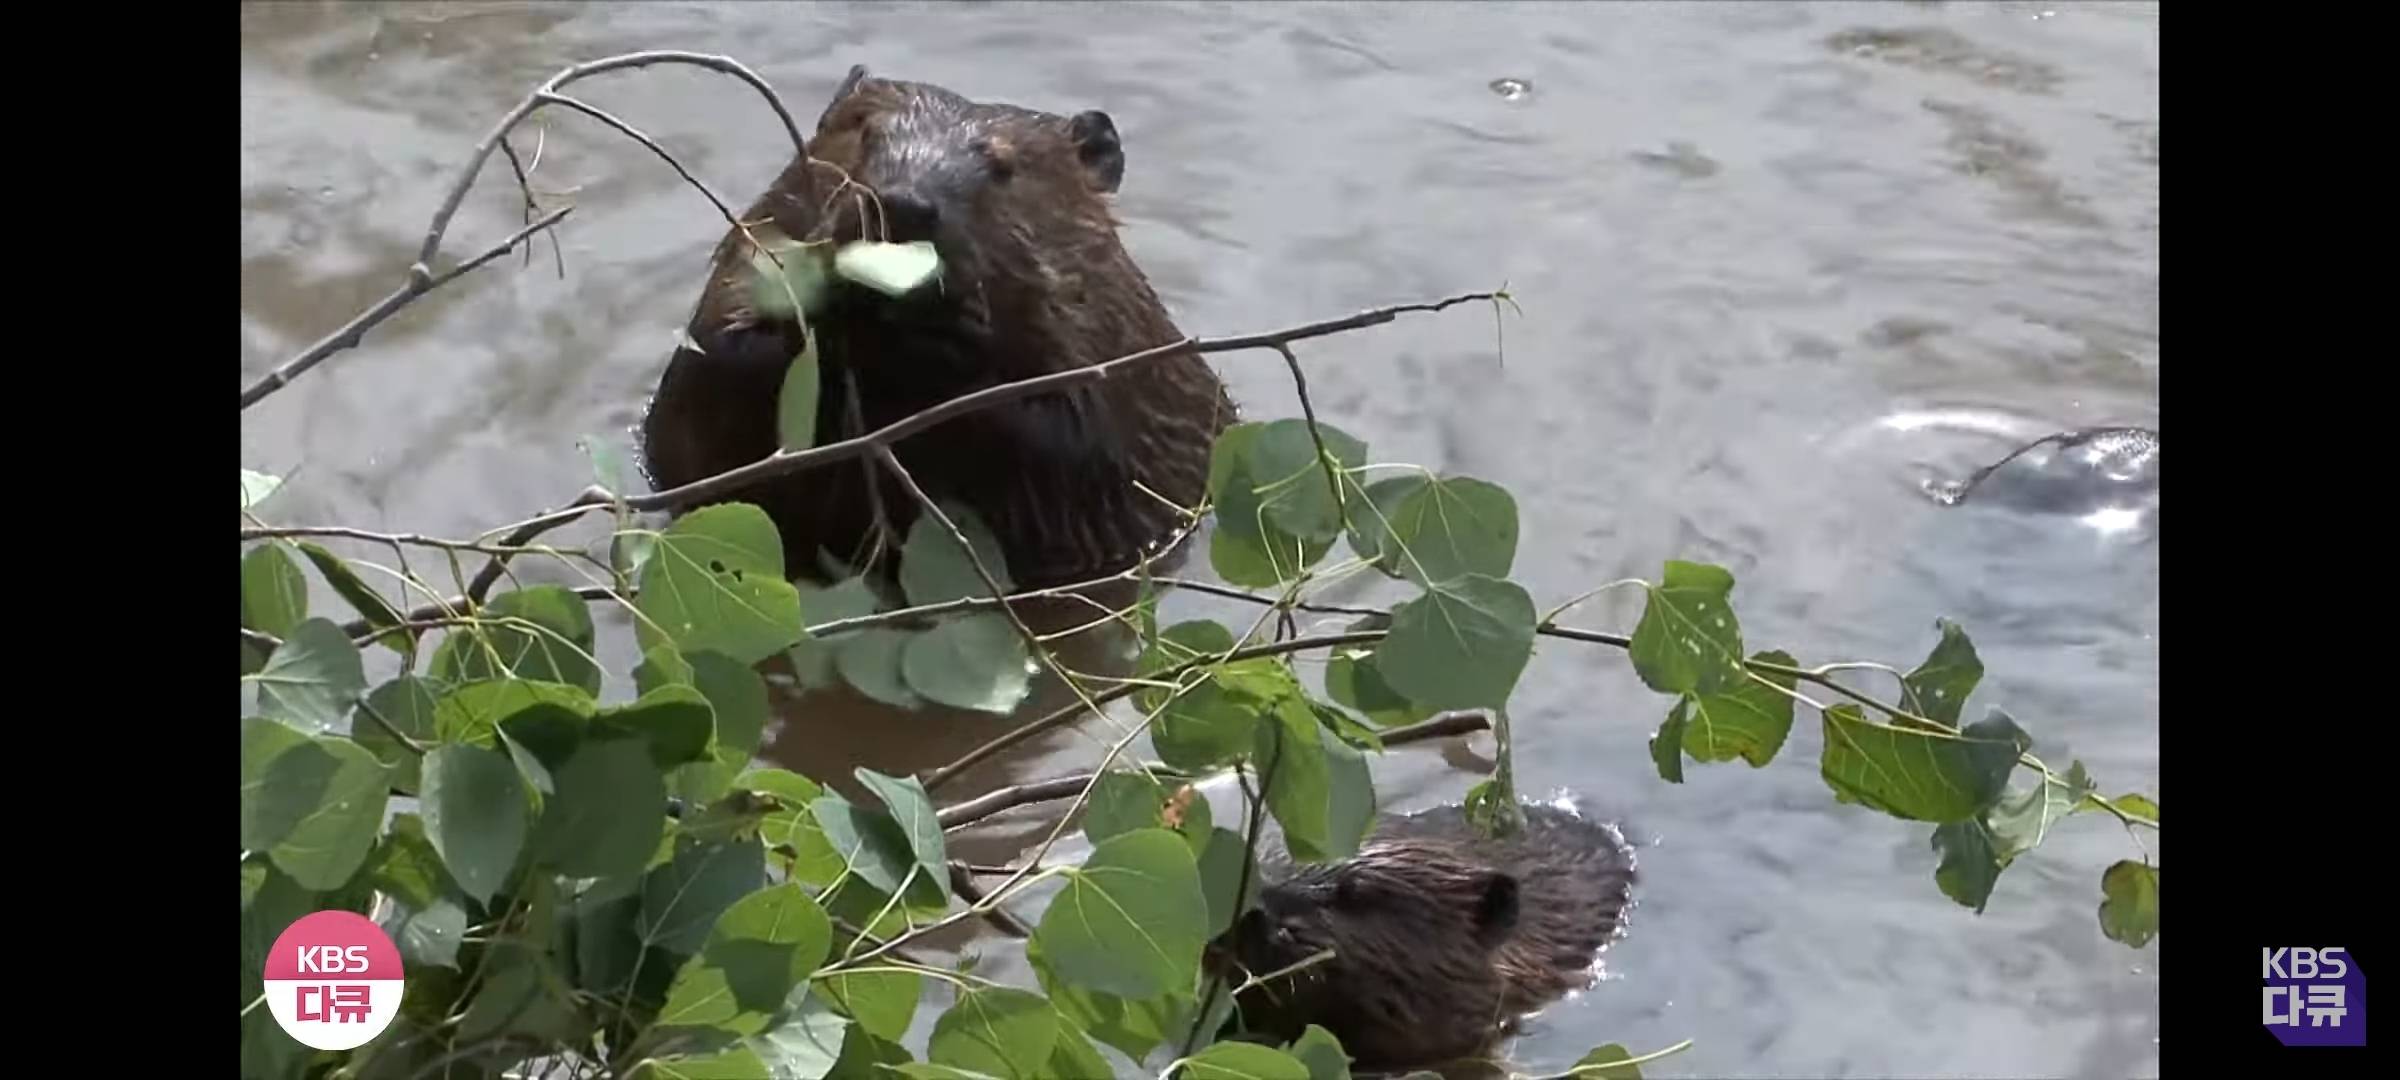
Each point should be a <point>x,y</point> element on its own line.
<point>453,609</point>
<point>634,133</point>
<point>787,462</point>
<point>991,583</point>
<point>266,642</point>
<point>962,882</point>
<point>502,550</point>
<point>525,188</point>
<point>521,536</point>
<point>421,280</point>
<point>1068,714</point>
<point>963,814</point>
<point>1308,411</point>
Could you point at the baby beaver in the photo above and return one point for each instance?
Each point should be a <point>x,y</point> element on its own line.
<point>1440,938</point>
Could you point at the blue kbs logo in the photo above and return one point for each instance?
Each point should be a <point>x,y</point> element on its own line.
<point>2315,997</point>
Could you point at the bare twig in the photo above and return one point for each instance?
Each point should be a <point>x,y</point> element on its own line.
<point>422,279</point>
<point>962,881</point>
<point>265,642</point>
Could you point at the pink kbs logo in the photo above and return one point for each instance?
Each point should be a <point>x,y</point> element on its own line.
<point>334,980</point>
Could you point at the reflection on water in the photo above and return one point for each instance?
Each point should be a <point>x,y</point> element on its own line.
<point>1741,234</point>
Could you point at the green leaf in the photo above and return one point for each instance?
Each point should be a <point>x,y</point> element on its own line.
<point>998,1031</point>
<point>762,947</point>
<point>283,777</point>
<point>606,817</point>
<point>1284,457</point>
<point>559,652</point>
<point>1919,775</point>
<point>682,900</point>
<point>912,810</point>
<point>1688,641</point>
<point>474,815</point>
<point>1666,747</point>
<point>1134,1027</point>
<point>1748,719</point>
<point>716,584</point>
<point>257,486</point>
<point>738,697</point>
<point>1131,919</point>
<point>430,937</point>
<point>935,570</point>
<point>1211,724</point>
<point>1491,808</point>
<point>274,594</point>
<point>1974,852</point>
<point>676,721</point>
<point>1461,645</point>
<point>870,841</point>
<point>891,269</point>
<point>1226,866</point>
<point>1605,1055</point>
<point>2129,908</point>
<point>796,402</point>
<point>1242,1061</point>
<point>868,1057</point>
<point>1352,681</point>
<point>379,612</point>
<point>332,839</point>
<point>928,1070</point>
<point>1939,687</point>
<point>524,996</point>
<point>548,718</point>
<point>1317,1049</point>
<point>813,658</point>
<point>313,678</point>
<point>976,661</point>
<point>608,461</point>
<point>794,824</point>
<point>804,1047</point>
<point>1123,801</point>
<point>406,703</point>
<point>1247,547</point>
<point>788,291</point>
<point>1317,786</point>
<point>883,1002</point>
<point>1074,1056</point>
<point>871,663</point>
<point>2137,806</point>
<point>406,866</point>
<point>1427,529</point>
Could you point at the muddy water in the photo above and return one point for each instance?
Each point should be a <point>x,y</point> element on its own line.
<point>1779,264</point>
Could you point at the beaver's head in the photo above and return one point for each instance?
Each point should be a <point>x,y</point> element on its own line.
<point>1014,200</point>
<point>1414,927</point>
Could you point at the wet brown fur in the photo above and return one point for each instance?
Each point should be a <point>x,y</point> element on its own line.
<point>1442,939</point>
<point>1034,281</point>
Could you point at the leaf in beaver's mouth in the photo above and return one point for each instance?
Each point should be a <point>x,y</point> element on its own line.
<point>891,269</point>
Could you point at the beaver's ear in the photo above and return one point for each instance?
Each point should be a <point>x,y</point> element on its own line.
<point>849,86</point>
<point>1097,146</point>
<point>1496,909</point>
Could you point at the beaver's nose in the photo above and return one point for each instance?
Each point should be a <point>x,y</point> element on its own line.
<point>909,216</point>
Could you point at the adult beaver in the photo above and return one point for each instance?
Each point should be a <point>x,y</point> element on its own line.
<point>1074,484</point>
<point>1441,938</point>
